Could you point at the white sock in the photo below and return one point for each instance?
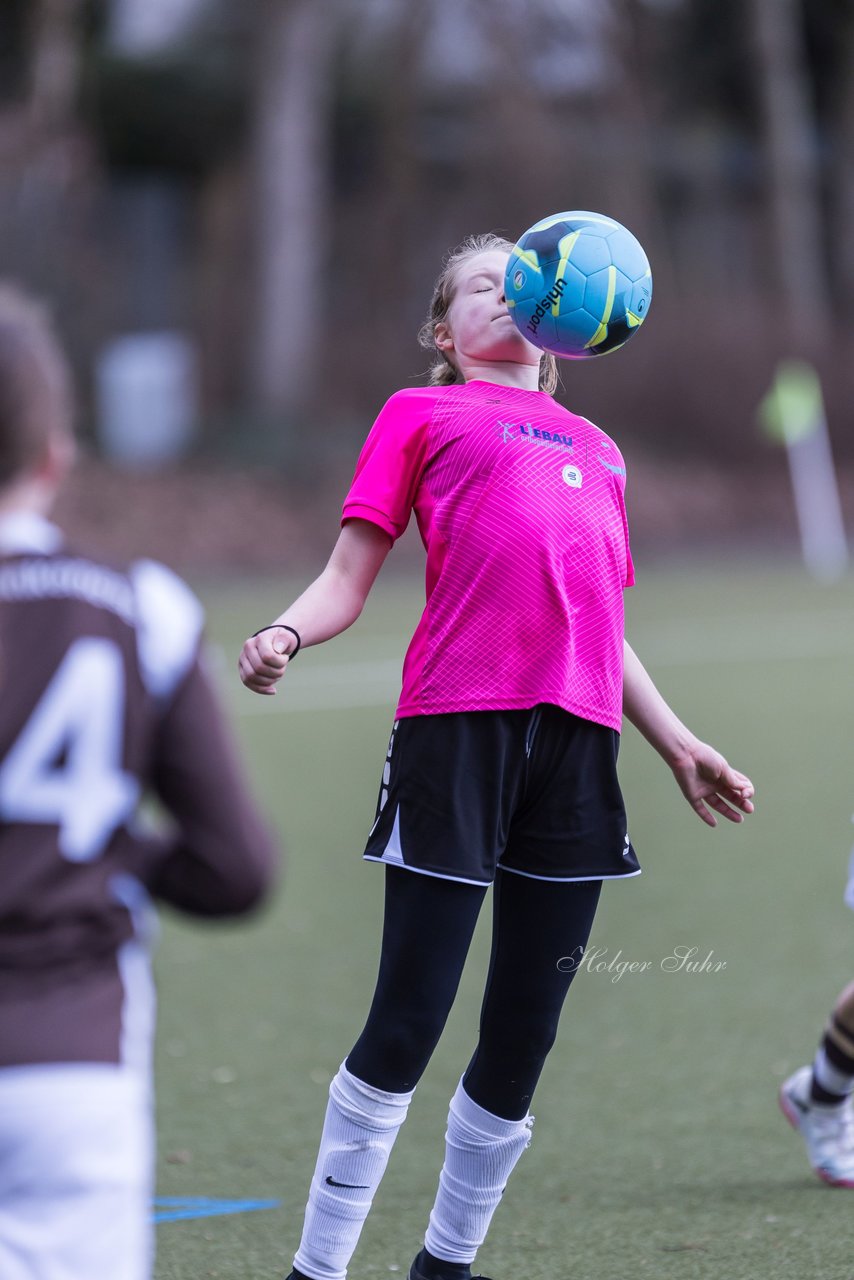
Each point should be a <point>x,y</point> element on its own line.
<point>358,1134</point>
<point>829,1077</point>
<point>481,1151</point>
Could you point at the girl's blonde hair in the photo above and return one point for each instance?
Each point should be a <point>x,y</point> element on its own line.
<point>443,371</point>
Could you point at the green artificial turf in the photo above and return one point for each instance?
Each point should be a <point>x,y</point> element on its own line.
<point>658,1148</point>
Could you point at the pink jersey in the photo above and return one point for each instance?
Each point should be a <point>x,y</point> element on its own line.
<point>520,508</point>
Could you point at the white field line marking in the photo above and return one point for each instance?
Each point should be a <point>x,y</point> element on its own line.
<point>328,687</point>
<point>376,682</point>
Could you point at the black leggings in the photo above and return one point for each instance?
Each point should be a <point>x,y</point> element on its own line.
<point>427,930</point>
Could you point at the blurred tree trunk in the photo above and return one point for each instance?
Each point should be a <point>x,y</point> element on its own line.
<point>55,65</point>
<point>793,170</point>
<point>842,188</point>
<point>291,200</point>
<point>397,204</point>
<point>46,115</point>
<point>516,127</point>
<point>638,115</point>
<point>615,157</point>
<point>49,177</point>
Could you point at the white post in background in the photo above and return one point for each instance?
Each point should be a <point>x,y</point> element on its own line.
<point>793,413</point>
<point>147,399</point>
<point>139,27</point>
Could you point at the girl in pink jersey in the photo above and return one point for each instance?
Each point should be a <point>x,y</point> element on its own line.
<point>501,767</point>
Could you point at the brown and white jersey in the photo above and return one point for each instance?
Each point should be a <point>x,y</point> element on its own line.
<point>103,697</point>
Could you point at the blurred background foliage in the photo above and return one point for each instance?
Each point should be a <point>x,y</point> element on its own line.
<point>279,180</point>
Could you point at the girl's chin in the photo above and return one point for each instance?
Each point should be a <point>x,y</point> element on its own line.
<point>513,348</point>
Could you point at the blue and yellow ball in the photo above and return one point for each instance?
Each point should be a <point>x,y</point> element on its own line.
<point>578,284</point>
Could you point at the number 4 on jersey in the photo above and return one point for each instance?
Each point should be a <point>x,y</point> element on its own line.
<point>65,766</point>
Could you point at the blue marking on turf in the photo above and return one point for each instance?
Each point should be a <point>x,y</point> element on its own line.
<point>176,1208</point>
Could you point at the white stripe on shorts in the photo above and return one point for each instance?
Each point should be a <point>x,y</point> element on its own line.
<point>76,1163</point>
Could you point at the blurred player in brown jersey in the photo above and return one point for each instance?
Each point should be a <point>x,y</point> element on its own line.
<point>103,698</point>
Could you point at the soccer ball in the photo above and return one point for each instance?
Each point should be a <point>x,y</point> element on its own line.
<point>578,284</point>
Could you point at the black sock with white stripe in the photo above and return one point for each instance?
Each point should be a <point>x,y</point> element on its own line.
<point>833,1067</point>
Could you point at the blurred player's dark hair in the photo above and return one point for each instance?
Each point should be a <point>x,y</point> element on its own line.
<point>36,399</point>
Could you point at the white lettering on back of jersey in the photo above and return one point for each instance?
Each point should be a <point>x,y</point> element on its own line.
<point>80,579</point>
<point>65,765</point>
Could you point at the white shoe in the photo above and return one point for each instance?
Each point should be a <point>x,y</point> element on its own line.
<point>827,1131</point>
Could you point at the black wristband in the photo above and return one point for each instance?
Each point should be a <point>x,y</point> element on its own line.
<point>280,626</point>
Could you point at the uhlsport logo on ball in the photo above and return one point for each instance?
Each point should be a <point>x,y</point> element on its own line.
<point>578,284</point>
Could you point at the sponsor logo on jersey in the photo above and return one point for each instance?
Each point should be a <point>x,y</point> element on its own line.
<point>572,476</point>
<point>534,435</point>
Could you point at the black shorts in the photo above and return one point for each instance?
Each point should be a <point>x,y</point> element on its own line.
<point>533,791</point>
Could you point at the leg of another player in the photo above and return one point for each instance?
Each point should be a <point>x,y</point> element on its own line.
<point>537,924</point>
<point>833,1067</point>
<point>427,931</point>
<point>816,1100</point>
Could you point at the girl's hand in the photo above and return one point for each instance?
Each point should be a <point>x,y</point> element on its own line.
<point>709,783</point>
<point>264,659</point>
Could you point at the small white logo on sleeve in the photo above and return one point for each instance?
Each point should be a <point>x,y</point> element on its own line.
<point>572,477</point>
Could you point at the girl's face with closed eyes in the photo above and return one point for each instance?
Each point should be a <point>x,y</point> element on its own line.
<point>478,330</point>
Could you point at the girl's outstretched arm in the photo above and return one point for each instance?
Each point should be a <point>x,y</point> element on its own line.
<point>704,777</point>
<point>329,606</point>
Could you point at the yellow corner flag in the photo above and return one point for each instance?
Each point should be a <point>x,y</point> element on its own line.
<point>794,407</point>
